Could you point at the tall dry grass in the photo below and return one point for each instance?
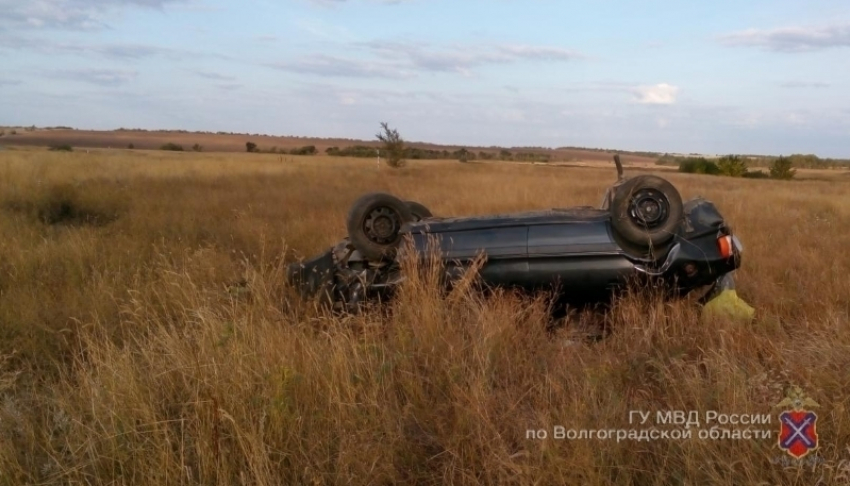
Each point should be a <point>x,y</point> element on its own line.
<point>148,336</point>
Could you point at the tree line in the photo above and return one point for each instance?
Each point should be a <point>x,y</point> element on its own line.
<point>737,166</point>
<point>803,161</point>
<point>414,153</point>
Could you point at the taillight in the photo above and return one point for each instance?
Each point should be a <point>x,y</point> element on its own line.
<point>724,243</point>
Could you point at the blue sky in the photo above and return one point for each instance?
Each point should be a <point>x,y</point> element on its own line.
<point>759,76</point>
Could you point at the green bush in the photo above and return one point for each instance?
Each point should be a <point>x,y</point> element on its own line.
<point>172,146</point>
<point>61,148</point>
<point>363,151</point>
<point>732,166</point>
<point>306,150</point>
<point>782,168</point>
<point>251,147</point>
<point>735,166</point>
<point>698,165</point>
<point>197,147</point>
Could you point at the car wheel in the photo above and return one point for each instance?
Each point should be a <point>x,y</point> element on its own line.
<point>646,210</point>
<point>374,223</point>
<point>418,210</point>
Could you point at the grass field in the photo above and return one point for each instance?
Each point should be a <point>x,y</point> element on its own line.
<point>147,335</point>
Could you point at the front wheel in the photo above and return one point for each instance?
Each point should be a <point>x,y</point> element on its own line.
<point>374,224</point>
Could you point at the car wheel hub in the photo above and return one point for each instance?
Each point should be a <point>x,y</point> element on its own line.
<point>649,207</point>
<point>382,225</point>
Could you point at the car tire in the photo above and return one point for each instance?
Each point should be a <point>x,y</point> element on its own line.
<point>374,224</point>
<point>646,211</point>
<point>418,210</point>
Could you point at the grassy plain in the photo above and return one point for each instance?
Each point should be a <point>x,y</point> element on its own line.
<point>235,142</point>
<point>147,335</point>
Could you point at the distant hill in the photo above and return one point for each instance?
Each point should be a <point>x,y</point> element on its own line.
<point>235,142</point>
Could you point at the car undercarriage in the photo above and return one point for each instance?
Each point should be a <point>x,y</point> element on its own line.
<point>642,232</point>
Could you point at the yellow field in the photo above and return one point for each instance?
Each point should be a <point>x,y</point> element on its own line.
<point>147,335</point>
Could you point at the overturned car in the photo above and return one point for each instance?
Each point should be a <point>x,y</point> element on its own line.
<point>642,230</point>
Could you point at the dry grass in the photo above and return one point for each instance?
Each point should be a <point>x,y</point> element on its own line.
<point>132,354</point>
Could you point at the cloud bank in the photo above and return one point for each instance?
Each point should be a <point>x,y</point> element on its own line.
<point>400,60</point>
<point>791,39</point>
<point>66,14</point>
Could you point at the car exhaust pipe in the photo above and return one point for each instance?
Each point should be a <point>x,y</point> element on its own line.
<point>619,167</point>
<point>609,193</point>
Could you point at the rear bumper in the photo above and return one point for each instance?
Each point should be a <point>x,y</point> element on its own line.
<point>698,262</point>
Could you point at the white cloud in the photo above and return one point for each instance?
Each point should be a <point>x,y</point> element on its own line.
<point>66,14</point>
<point>332,66</point>
<point>659,94</point>
<point>327,3</point>
<point>538,53</point>
<point>100,77</point>
<point>214,76</point>
<point>123,52</point>
<point>805,84</point>
<point>406,59</point>
<point>791,39</point>
<point>463,58</point>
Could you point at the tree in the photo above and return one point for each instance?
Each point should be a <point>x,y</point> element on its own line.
<point>393,145</point>
<point>732,165</point>
<point>250,147</point>
<point>782,168</point>
<point>197,147</point>
<point>463,155</point>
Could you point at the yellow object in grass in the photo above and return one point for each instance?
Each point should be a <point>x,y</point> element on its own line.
<point>728,305</point>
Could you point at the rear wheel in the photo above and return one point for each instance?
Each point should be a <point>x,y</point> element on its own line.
<point>374,224</point>
<point>646,211</point>
<point>418,210</point>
